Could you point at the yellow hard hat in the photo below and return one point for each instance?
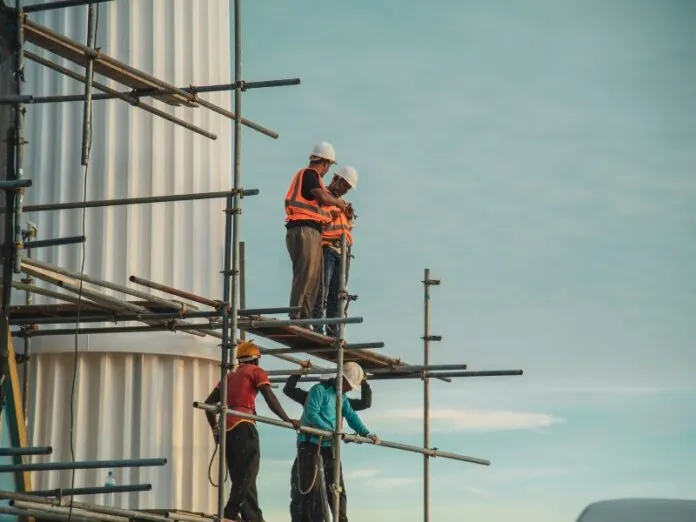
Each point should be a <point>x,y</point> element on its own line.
<point>248,350</point>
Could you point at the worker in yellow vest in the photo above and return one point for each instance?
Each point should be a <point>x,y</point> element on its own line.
<point>306,212</point>
<point>327,302</point>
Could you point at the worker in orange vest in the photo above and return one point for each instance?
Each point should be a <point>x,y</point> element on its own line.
<point>306,213</point>
<point>241,437</point>
<point>342,223</point>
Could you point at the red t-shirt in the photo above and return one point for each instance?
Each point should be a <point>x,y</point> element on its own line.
<point>242,388</point>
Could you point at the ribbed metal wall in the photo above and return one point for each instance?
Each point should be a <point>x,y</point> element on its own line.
<point>131,405</point>
<point>128,406</point>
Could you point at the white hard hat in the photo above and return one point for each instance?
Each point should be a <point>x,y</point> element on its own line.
<point>324,150</point>
<point>353,373</point>
<point>349,174</point>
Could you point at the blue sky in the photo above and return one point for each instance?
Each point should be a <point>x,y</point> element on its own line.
<point>539,157</point>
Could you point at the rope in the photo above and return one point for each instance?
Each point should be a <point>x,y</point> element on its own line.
<point>316,472</point>
<point>210,468</point>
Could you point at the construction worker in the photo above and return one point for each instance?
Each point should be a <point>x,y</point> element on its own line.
<point>342,223</point>
<point>299,395</point>
<point>320,412</point>
<point>241,437</point>
<point>305,215</point>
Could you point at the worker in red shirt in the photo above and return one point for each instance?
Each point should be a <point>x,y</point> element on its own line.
<point>242,438</point>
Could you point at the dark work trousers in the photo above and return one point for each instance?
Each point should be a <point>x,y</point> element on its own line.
<point>305,506</point>
<point>304,247</point>
<point>327,299</point>
<point>243,460</point>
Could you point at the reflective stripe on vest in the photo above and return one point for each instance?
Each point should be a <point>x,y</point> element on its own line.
<point>299,208</point>
<point>332,231</point>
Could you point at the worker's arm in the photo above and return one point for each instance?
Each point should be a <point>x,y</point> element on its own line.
<point>312,409</point>
<point>291,390</point>
<point>213,398</point>
<point>273,403</point>
<point>325,199</point>
<point>365,400</point>
<point>353,420</point>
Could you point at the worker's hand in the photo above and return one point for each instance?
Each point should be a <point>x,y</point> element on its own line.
<point>296,424</point>
<point>350,213</point>
<point>306,364</point>
<point>374,438</point>
<point>341,205</point>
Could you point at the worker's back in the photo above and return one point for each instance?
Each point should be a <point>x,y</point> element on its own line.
<point>242,388</point>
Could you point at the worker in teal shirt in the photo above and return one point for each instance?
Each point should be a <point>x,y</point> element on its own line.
<point>320,412</point>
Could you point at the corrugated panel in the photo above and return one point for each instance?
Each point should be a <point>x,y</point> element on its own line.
<point>127,406</point>
<point>135,153</point>
<point>131,405</point>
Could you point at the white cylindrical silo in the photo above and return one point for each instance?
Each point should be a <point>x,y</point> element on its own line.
<point>133,392</point>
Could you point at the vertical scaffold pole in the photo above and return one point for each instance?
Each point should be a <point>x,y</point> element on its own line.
<point>339,382</point>
<point>427,283</point>
<point>242,282</point>
<point>231,268</point>
<point>19,141</point>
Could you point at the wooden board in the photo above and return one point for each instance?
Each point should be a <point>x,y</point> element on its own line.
<point>300,339</point>
<point>120,72</point>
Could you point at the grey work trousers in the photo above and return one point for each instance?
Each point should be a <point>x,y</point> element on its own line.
<point>304,247</point>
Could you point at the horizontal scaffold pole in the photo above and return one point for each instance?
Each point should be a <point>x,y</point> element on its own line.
<point>95,508</point>
<point>90,317</point>
<point>269,311</point>
<point>73,492</point>
<point>86,464</point>
<point>405,368</point>
<point>36,450</point>
<point>59,4</point>
<point>321,349</point>
<point>47,207</point>
<point>141,93</point>
<point>248,324</point>
<point>347,438</point>
<point>201,327</point>
<point>60,241</point>
<point>420,375</point>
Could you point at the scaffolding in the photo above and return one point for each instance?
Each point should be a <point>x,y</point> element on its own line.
<point>225,319</point>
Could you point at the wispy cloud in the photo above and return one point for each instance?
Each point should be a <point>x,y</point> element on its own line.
<point>467,420</point>
<point>361,473</point>
<point>396,482</point>
<point>531,473</point>
<point>478,491</point>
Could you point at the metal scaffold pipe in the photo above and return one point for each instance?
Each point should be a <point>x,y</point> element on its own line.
<point>339,386</point>
<point>421,375</point>
<point>348,438</point>
<point>231,261</point>
<point>47,207</point>
<point>37,450</point>
<point>406,368</point>
<point>87,464</point>
<point>73,492</point>
<point>92,510</point>
<point>427,283</point>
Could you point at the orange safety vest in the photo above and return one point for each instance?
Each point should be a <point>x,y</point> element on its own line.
<point>332,231</point>
<point>298,208</point>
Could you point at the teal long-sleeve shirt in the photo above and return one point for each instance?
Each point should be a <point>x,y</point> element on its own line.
<point>320,412</point>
